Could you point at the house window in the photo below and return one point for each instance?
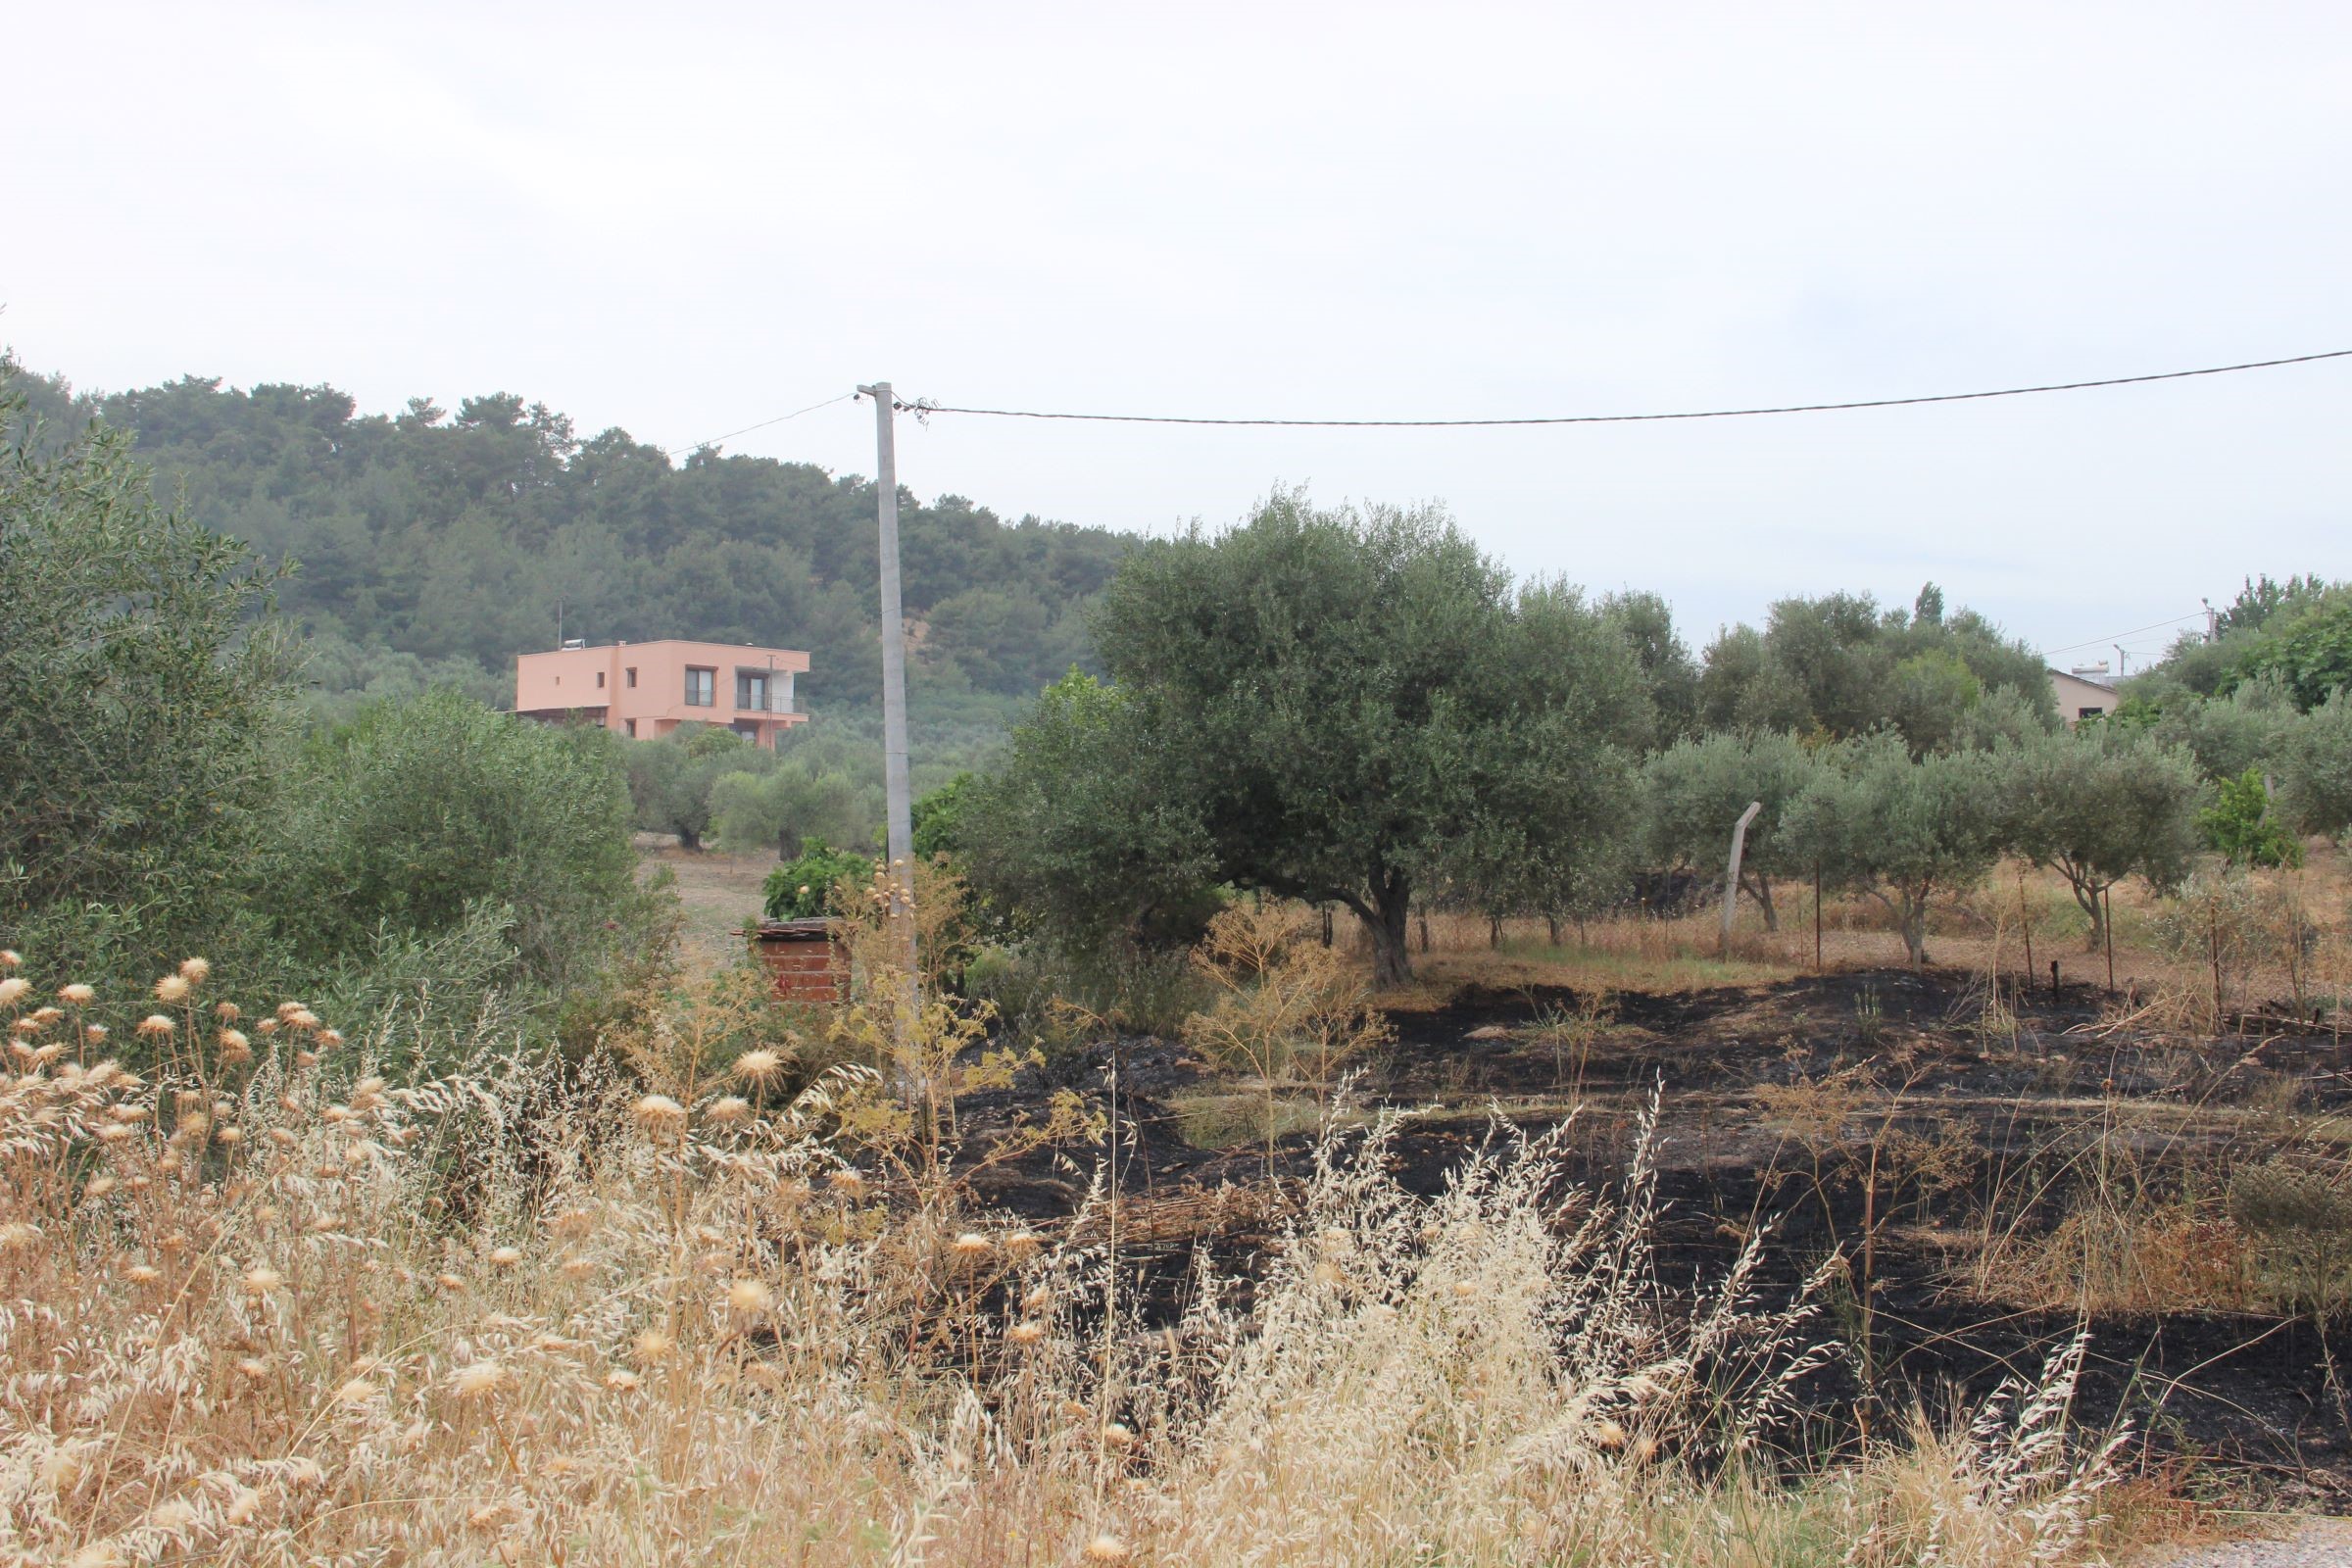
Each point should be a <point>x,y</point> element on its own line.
<point>2090,713</point>
<point>629,677</point>
<point>630,725</point>
<point>751,691</point>
<point>600,680</point>
<point>702,687</point>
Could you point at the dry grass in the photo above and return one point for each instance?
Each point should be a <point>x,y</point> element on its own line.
<point>1987,930</point>
<point>718,895</point>
<point>264,1308</point>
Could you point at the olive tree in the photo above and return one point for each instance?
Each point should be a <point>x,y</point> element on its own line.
<point>1331,706</point>
<point>1076,835</point>
<point>2098,806</point>
<point>1695,791</point>
<point>2315,768</point>
<point>1877,820</point>
<point>146,713</point>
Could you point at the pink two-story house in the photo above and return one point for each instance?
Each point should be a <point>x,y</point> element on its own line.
<point>649,689</point>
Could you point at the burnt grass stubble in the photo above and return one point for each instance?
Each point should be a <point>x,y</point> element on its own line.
<point>2249,1403</point>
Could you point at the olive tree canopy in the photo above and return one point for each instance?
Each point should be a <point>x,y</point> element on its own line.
<point>1336,706</point>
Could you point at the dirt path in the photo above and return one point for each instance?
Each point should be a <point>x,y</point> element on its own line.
<point>2317,1544</point>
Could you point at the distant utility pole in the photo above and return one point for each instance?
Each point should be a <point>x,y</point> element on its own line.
<point>898,802</point>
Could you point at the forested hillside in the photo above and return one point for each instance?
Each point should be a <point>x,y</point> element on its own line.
<point>434,545</point>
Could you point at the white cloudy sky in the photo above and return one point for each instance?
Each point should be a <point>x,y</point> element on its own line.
<point>682,220</point>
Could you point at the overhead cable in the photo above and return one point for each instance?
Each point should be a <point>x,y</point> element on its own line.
<point>926,407</point>
<point>697,446</point>
<point>2113,638</point>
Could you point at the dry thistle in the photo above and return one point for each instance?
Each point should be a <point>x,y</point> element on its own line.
<point>356,1394</point>
<point>12,988</point>
<point>1105,1548</point>
<point>10,959</point>
<point>156,1023</point>
<point>262,1280</point>
<point>19,1237</point>
<point>728,1108</point>
<point>78,995</point>
<point>1026,1332</point>
<point>172,987</point>
<point>651,1348</point>
<point>478,1380</point>
<point>972,1246</point>
<point>658,1111</point>
<point>195,971</point>
<point>760,1066</point>
<point>505,1256</point>
<point>749,1297</point>
<point>227,1011</point>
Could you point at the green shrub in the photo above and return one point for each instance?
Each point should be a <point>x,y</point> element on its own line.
<point>804,888</point>
<point>416,814</point>
<point>2240,825</point>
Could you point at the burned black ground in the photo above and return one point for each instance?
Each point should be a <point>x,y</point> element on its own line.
<point>2254,1400</point>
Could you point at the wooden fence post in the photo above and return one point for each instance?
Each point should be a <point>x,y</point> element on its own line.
<point>1731,880</point>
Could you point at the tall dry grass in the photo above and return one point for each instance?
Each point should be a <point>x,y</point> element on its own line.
<point>261,1307</point>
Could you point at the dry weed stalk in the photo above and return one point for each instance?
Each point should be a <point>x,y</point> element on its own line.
<point>1287,1008</point>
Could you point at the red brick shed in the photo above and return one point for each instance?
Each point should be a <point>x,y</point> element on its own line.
<point>806,960</point>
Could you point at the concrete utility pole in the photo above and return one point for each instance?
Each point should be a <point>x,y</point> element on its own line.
<point>898,802</point>
<point>1731,878</point>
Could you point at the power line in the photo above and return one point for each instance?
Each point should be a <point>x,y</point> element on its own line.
<point>697,446</point>
<point>2112,638</point>
<point>928,407</point>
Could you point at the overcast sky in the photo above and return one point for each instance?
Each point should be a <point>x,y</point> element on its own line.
<point>682,220</point>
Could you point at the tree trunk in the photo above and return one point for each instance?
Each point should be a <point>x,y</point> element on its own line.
<point>1914,918</point>
<point>1772,916</point>
<point>2087,894</point>
<point>1384,921</point>
<point>1423,917</point>
<point>1494,932</point>
<point>1553,922</point>
<point>690,839</point>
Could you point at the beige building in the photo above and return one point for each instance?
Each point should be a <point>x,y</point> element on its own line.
<point>649,689</point>
<point>2083,694</point>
